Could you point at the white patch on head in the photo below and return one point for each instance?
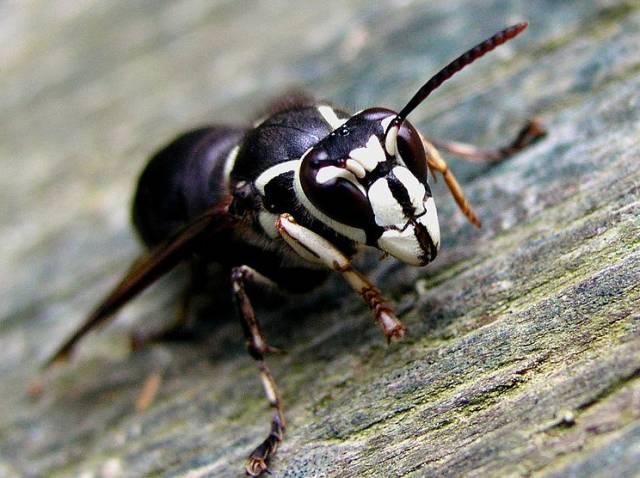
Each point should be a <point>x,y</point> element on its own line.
<point>414,187</point>
<point>268,223</point>
<point>370,155</point>
<point>329,173</point>
<point>386,122</point>
<point>353,233</point>
<point>356,168</point>
<point>330,116</point>
<point>273,171</point>
<point>386,210</point>
<point>402,245</point>
<point>430,220</point>
<point>390,141</point>
<point>229,162</point>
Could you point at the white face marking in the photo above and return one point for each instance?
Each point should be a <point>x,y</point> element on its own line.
<point>274,171</point>
<point>386,210</point>
<point>370,155</point>
<point>329,173</point>
<point>430,221</point>
<point>353,233</point>
<point>356,168</point>
<point>404,244</point>
<point>331,117</point>
<point>390,141</point>
<point>386,122</point>
<point>268,223</point>
<point>229,162</point>
<point>414,187</point>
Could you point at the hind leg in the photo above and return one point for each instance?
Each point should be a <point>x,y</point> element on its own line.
<point>180,328</point>
<point>258,348</point>
<point>528,134</point>
<point>531,132</point>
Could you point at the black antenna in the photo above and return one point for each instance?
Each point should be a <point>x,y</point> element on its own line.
<point>455,66</point>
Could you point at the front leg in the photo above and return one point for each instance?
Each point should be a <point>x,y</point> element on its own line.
<point>437,164</point>
<point>316,248</point>
<point>257,348</point>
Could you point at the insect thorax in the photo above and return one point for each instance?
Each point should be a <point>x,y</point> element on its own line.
<point>263,171</point>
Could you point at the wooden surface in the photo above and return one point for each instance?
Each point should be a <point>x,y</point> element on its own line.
<point>523,353</point>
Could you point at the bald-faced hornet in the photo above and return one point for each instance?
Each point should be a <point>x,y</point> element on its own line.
<point>292,198</point>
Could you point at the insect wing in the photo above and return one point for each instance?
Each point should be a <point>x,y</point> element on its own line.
<point>147,269</point>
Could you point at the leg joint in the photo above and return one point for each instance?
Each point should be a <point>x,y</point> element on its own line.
<point>239,273</point>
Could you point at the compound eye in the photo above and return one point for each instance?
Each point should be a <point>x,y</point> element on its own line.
<point>334,190</point>
<point>411,151</point>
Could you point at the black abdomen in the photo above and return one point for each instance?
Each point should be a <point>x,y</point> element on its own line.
<point>182,180</point>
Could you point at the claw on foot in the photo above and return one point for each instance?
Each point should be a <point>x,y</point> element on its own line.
<point>256,466</point>
<point>393,328</point>
<point>257,462</point>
